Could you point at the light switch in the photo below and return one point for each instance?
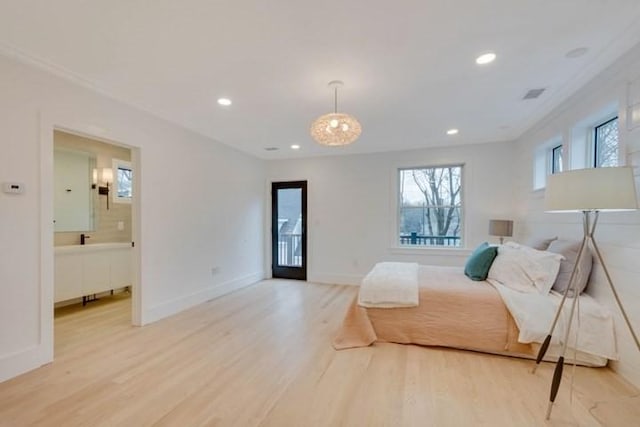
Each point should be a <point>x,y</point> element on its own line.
<point>13,187</point>
<point>120,225</point>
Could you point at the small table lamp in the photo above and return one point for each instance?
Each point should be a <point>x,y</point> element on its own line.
<point>589,191</point>
<point>501,227</point>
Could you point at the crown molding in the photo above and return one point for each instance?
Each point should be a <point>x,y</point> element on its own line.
<point>603,60</point>
<point>49,67</point>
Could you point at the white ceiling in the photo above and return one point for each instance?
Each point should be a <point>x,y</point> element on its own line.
<point>408,66</point>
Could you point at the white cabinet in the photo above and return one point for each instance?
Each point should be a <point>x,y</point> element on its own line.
<point>121,267</point>
<point>96,272</point>
<point>68,277</point>
<point>82,270</point>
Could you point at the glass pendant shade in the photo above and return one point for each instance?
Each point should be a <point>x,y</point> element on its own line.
<point>335,128</point>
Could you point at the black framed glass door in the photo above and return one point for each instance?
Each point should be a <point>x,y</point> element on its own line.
<point>288,230</point>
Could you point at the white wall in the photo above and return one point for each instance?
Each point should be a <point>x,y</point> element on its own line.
<point>352,205</point>
<point>618,234</point>
<point>201,206</point>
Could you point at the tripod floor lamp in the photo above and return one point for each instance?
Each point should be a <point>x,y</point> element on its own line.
<point>589,191</point>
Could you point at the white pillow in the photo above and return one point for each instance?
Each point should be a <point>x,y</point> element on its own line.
<point>539,243</point>
<point>525,269</point>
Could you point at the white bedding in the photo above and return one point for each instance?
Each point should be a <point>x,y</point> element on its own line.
<point>593,329</point>
<point>390,285</point>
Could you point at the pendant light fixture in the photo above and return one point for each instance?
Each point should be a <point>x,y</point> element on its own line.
<point>335,128</point>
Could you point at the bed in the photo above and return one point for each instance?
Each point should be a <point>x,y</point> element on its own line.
<point>455,311</point>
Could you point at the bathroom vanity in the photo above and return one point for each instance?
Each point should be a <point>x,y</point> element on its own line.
<point>86,270</point>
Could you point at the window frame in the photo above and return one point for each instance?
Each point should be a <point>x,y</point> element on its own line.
<point>398,207</point>
<point>542,162</point>
<point>553,150</point>
<point>121,164</point>
<point>594,145</point>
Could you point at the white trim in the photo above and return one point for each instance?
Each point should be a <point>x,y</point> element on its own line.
<point>136,233</point>
<point>24,57</point>
<point>543,158</point>
<point>42,352</point>
<point>558,98</point>
<point>268,246</point>
<point>46,239</point>
<point>49,123</point>
<point>182,303</point>
<point>14,364</point>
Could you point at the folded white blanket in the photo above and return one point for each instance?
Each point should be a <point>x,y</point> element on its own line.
<point>390,285</point>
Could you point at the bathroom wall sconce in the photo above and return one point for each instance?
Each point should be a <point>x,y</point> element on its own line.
<point>107,179</point>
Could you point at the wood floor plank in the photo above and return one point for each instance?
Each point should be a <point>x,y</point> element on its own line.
<point>262,356</point>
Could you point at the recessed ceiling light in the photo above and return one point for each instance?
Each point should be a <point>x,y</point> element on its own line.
<point>295,147</point>
<point>576,53</point>
<point>224,101</point>
<point>486,58</point>
<point>452,132</point>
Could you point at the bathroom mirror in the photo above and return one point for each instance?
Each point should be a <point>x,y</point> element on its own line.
<point>73,195</point>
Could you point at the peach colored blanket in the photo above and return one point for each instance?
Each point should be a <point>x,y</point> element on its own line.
<point>454,311</point>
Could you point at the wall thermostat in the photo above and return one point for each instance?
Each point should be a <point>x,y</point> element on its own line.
<point>13,187</point>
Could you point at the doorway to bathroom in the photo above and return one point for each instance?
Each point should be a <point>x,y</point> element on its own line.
<point>93,243</point>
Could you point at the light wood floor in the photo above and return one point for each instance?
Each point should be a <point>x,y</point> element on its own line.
<point>262,357</point>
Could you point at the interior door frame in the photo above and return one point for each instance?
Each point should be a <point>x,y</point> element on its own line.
<point>286,272</point>
<point>49,123</point>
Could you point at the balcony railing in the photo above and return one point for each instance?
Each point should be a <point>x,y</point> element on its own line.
<point>417,239</point>
<point>289,250</point>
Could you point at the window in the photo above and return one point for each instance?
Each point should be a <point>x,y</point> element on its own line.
<point>605,146</point>
<point>556,159</point>
<point>123,181</point>
<point>547,159</point>
<point>430,206</point>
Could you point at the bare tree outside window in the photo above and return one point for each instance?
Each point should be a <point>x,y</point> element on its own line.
<point>606,144</point>
<point>430,206</point>
<point>125,181</point>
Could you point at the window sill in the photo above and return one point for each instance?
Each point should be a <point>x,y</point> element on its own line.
<point>426,250</point>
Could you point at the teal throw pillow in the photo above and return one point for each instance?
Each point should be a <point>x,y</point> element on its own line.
<point>479,263</point>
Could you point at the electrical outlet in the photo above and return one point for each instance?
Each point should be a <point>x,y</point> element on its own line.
<point>214,270</point>
<point>13,187</point>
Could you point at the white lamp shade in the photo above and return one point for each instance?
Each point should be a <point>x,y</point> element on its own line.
<point>602,189</point>
<point>107,175</point>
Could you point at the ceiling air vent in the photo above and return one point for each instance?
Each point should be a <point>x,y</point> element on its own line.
<point>270,148</point>
<point>534,93</point>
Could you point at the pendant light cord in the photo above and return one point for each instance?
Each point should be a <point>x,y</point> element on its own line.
<point>335,100</point>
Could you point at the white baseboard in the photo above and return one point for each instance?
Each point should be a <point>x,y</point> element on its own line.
<point>336,279</point>
<point>14,364</point>
<point>177,305</point>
